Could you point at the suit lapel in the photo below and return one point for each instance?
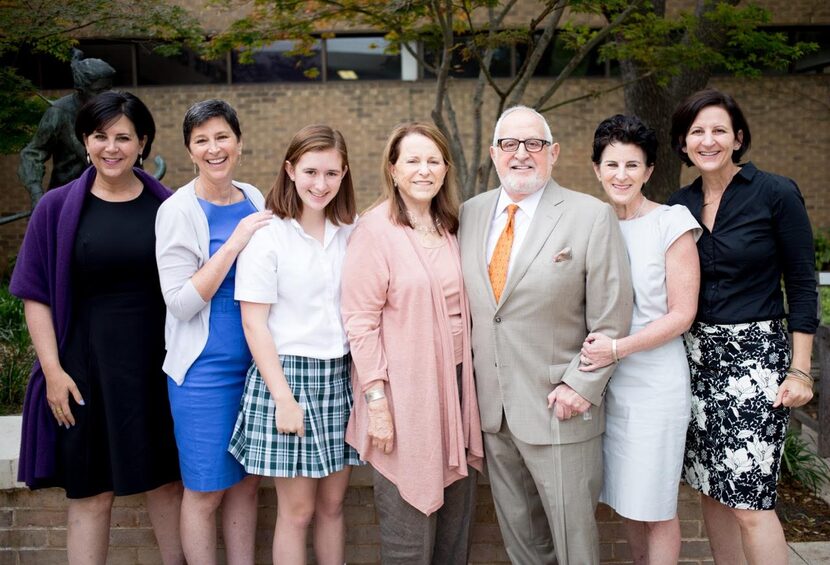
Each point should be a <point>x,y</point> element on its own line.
<point>544,221</point>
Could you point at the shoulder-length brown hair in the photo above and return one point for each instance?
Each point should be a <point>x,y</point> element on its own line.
<point>444,205</point>
<point>283,199</point>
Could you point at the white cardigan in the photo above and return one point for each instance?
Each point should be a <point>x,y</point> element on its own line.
<point>182,247</point>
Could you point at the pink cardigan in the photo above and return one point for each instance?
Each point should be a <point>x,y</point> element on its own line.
<point>396,319</point>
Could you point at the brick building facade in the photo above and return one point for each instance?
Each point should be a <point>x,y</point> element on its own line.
<point>789,116</point>
<point>790,120</point>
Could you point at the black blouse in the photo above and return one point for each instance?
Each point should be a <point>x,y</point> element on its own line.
<point>761,232</point>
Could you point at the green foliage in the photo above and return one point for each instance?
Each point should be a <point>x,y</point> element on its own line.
<point>52,27</point>
<point>821,242</point>
<point>16,353</point>
<point>267,21</point>
<point>824,299</point>
<point>801,464</point>
<point>665,46</point>
<point>20,111</point>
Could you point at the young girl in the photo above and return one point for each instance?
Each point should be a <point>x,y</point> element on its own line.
<point>298,396</point>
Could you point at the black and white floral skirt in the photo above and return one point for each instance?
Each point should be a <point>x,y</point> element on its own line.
<point>735,436</point>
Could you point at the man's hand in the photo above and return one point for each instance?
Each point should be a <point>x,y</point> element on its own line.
<point>566,402</point>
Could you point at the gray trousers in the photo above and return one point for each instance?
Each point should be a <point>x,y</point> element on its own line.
<point>409,537</point>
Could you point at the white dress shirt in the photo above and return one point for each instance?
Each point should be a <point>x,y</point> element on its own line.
<point>300,278</point>
<point>521,223</point>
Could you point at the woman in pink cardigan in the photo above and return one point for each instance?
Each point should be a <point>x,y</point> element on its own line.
<point>415,417</point>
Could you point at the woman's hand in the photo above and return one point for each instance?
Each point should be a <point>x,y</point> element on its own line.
<point>246,227</point>
<point>381,429</point>
<point>59,385</point>
<point>596,352</point>
<point>793,393</point>
<point>290,417</point>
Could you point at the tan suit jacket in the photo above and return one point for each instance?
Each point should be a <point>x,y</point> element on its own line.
<point>571,276</point>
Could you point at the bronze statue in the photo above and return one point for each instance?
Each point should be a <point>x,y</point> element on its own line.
<point>55,136</point>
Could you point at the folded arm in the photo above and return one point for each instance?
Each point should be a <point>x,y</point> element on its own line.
<point>682,286</point>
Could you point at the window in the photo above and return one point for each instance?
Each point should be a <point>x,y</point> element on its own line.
<point>360,58</point>
<point>186,67</point>
<point>276,63</point>
<point>464,65</point>
<point>558,55</point>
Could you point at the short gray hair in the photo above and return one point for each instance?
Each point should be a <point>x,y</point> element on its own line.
<point>548,134</point>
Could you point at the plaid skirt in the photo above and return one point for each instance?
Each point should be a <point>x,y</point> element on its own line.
<point>323,388</point>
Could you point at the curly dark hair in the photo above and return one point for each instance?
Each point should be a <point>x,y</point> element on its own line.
<point>625,129</point>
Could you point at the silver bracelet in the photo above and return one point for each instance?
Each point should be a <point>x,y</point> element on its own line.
<point>374,394</point>
<point>614,351</point>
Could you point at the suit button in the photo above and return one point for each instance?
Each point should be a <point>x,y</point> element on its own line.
<point>498,319</point>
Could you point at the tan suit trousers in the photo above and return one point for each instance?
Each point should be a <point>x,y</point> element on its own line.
<point>532,486</point>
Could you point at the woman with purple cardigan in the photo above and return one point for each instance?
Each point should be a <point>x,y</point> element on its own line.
<point>96,419</point>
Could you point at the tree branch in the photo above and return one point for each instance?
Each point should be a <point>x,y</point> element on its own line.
<point>583,52</point>
<point>595,93</point>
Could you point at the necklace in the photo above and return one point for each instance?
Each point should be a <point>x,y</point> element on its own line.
<point>431,229</point>
<point>637,213</point>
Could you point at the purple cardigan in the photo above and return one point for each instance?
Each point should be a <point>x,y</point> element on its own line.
<point>43,273</point>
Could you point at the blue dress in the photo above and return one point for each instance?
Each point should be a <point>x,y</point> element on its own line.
<point>205,406</point>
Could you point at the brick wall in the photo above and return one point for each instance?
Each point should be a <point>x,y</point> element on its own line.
<point>32,529</point>
<point>789,116</point>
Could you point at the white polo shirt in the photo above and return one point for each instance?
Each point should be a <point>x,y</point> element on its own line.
<point>285,267</point>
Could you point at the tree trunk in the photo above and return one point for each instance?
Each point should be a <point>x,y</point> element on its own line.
<point>655,104</point>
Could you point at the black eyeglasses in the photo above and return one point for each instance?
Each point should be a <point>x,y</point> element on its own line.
<point>511,145</point>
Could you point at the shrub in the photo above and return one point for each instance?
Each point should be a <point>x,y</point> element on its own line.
<point>16,352</point>
<point>801,464</point>
<point>821,242</point>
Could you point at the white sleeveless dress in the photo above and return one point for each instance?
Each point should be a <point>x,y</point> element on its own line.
<point>647,405</point>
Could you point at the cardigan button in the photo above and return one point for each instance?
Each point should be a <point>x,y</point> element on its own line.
<point>498,319</point>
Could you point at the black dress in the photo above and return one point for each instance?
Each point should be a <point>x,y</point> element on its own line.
<point>123,437</point>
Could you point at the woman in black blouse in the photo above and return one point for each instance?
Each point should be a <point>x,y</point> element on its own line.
<point>744,376</point>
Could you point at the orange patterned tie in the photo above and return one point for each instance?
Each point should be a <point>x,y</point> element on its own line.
<point>501,255</point>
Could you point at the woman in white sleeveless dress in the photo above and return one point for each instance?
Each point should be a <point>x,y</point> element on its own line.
<point>648,398</point>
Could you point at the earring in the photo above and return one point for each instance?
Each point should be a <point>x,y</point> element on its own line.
<point>195,169</point>
<point>394,183</point>
<point>88,160</point>
<point>140,161</point>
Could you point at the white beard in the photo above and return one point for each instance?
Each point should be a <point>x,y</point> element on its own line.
<point>524,185</point>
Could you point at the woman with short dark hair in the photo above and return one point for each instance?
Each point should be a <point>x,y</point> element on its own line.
<point>86,274</point>
<point>647,402</point>
<point>200,232</point>
<point>745,378</point>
